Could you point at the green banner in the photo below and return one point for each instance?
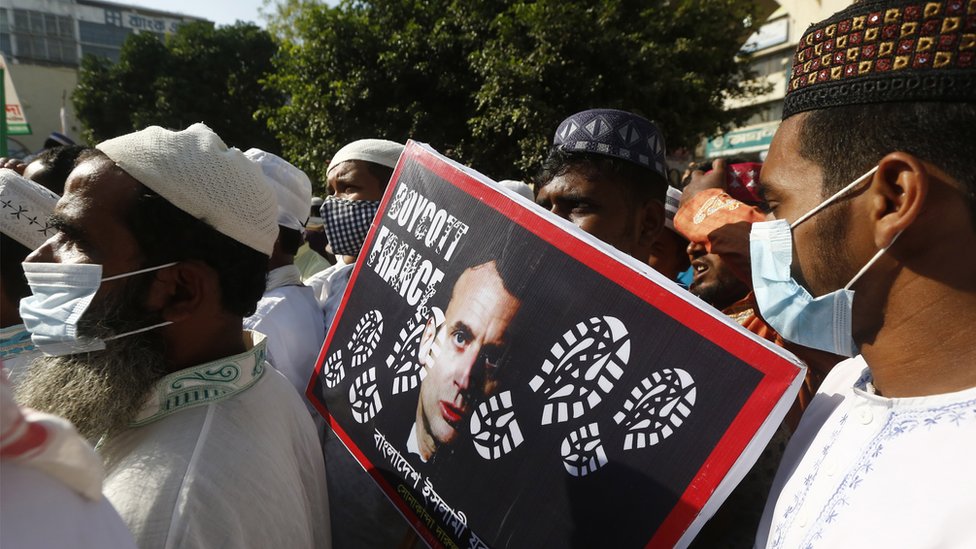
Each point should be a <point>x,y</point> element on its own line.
<point>743,140</point>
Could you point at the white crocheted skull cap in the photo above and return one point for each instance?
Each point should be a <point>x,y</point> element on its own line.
<point>379,151</point>
<point>291,186</point>
<point>25,208</point>
<point>196,172</point>
<point>519,187</point>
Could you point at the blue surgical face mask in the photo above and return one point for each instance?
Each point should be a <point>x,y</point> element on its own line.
<point>62,293</point>
<point>823,322</point>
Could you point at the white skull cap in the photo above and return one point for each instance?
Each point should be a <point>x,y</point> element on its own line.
<point>379,151</point>
<point>196,172</point>
<point>519,187</point>
<point>25,208</point>
<point>291,186</point>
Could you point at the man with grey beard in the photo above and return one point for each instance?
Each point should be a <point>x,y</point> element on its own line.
<point>100,392</point>
<point>162,248</point>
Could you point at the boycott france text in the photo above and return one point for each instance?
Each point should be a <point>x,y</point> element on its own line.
<point>397,261</point>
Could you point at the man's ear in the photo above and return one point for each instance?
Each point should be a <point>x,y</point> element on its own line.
<point>183,290</point>
<point>898,194</point>
<point>427,342</point>
<point>652,222</point>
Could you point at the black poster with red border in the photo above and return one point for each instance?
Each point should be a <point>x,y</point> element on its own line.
<point>509,381</point>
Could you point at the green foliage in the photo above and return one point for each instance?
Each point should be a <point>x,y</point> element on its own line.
<point>670,61</point>
<point>487,81</point>
<point>199,74</point>
<point>392,69</point>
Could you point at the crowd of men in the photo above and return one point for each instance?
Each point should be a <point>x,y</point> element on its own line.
<point>165,298</point>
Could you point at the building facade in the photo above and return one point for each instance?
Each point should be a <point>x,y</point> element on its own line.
<point>771,49</point>
<point>44,41</point>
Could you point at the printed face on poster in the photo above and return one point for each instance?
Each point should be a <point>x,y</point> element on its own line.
<point>508,383</point>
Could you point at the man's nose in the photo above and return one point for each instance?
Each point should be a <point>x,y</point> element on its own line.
<point>44,254</point>
<point>695,249</point>
<point>463,374</point>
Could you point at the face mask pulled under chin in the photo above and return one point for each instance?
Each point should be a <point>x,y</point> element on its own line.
<point>61,293</point>
<point>347,222</point>
<point>824,322</point>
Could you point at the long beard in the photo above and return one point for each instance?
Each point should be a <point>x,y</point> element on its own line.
<point>102,391</point>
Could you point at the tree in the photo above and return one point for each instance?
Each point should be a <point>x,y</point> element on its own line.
<point>487,81</point>
<point>672,61</point>
<point>392,69</point>
<point>198,74</point>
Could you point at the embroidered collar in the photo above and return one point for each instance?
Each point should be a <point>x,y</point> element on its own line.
<point>742,309</point>
<point>206,383</point>
<point>14,340</point>
<point>287,275</point>
<point>865,390</point>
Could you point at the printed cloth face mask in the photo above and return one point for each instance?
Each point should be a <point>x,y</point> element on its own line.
<point>347,222</point>
<point>823,322</point>
<point>62,293</point>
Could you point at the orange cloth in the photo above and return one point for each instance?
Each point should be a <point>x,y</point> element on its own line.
<point>721,223</point>
<point>712,209</point>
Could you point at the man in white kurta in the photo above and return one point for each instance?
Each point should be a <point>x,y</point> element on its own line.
<point>204,443</point>
<point>291,318</point>
<point>858,458</point>
<point>223,455</point>
<point>288,312</point>
<point>357,177</point>
<point>869,251</point>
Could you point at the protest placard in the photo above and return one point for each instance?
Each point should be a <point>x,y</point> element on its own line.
<point>512,382</point>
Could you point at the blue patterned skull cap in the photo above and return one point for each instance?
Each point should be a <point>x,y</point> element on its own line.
<point>618,134</point>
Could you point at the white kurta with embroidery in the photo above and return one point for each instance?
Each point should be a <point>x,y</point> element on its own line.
<point>291,318</point>
<point>222,455</point>
<point>867,471</point>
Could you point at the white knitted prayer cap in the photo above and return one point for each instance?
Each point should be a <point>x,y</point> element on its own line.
<point>518,186</point>
<point>25,208</point>
<point>379,151</point>
<point>196,172</point>
<point>291,186</point>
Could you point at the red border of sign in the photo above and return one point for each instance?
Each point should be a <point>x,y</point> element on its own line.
<point>750,418</point>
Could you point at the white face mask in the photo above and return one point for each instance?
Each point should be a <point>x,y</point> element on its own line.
<point>823,323</point>
<point>62,293</point>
